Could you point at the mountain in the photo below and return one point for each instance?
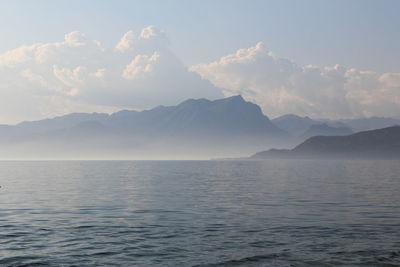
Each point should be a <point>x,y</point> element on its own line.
<point>304,126</point>
<point>195,127</point>
<point>381,143</point>
<point>365,124</point>
<point>230,116</point>
<point>324,130</point>
<point>299,127</point>
<point>60,122</point>
<point>293,124</point>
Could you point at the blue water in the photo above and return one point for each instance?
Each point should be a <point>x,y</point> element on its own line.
<point>200,213</point>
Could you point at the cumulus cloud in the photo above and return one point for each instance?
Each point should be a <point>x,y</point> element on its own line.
<point>139,65</point>
<point>281,86</point>
<point>126,42</point>
<point>74,39</point>
<point>78,74</point>
<point>140,71</point>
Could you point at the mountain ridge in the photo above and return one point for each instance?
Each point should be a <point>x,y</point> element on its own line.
<point>380,143</point>
<point>220,126</point>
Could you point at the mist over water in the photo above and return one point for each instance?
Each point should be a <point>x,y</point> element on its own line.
<point>200,213</point>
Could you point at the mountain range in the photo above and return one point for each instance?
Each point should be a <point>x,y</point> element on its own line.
<point>324,129</point>
<point>302,128</point>
<point>195,128</point>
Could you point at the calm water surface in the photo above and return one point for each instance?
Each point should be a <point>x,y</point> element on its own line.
<point>200,213</point>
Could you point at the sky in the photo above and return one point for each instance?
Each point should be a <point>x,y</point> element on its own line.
<point>318,58</point>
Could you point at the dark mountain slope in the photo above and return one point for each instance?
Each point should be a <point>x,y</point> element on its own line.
<point>381,143</point>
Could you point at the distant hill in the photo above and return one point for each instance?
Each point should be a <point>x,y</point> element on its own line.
<point>297,125</point>
<point>381,143</point>
<point>194,127</point>
<point>365,124</point>
<point>305,127</point>
<point>324,130</point>
<point>293,124</point>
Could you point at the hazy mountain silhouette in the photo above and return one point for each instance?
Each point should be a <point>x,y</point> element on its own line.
<point>365,124</point>
<point>324,130</point>
<point>293,124</point>
<point>381,143</point>
<point>219,127</point>
<point>229,116</point>
<point>300,127</point>
<point>196,128</point>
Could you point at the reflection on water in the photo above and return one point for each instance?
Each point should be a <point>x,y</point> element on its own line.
<point>188,213</point>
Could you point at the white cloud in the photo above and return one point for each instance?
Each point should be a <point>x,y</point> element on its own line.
<point>74,39</point>
<point>281,86</point>
<point>139,65</point>
<point>72,79</point>
<point>126,41</point>
<point>139,72</point>
<point>151,32</point>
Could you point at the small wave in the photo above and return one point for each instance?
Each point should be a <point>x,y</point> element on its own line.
<point>246,260</point>
<point>19,261</point>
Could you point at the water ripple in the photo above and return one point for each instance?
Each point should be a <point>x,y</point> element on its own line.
<point>200,213</point>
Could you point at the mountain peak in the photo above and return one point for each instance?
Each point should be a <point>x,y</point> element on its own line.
<point>235,98</point>
<point>192,101</point>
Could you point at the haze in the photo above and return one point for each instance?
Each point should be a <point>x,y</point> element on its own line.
<point>199,133</point>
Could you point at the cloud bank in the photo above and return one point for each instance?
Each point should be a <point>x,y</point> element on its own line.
<point>281,86</point>
<point>79,74</point>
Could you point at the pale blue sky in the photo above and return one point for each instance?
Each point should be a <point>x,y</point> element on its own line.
<point>362,34</point>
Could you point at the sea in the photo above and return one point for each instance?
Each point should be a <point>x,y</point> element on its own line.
<point>200,213</point>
